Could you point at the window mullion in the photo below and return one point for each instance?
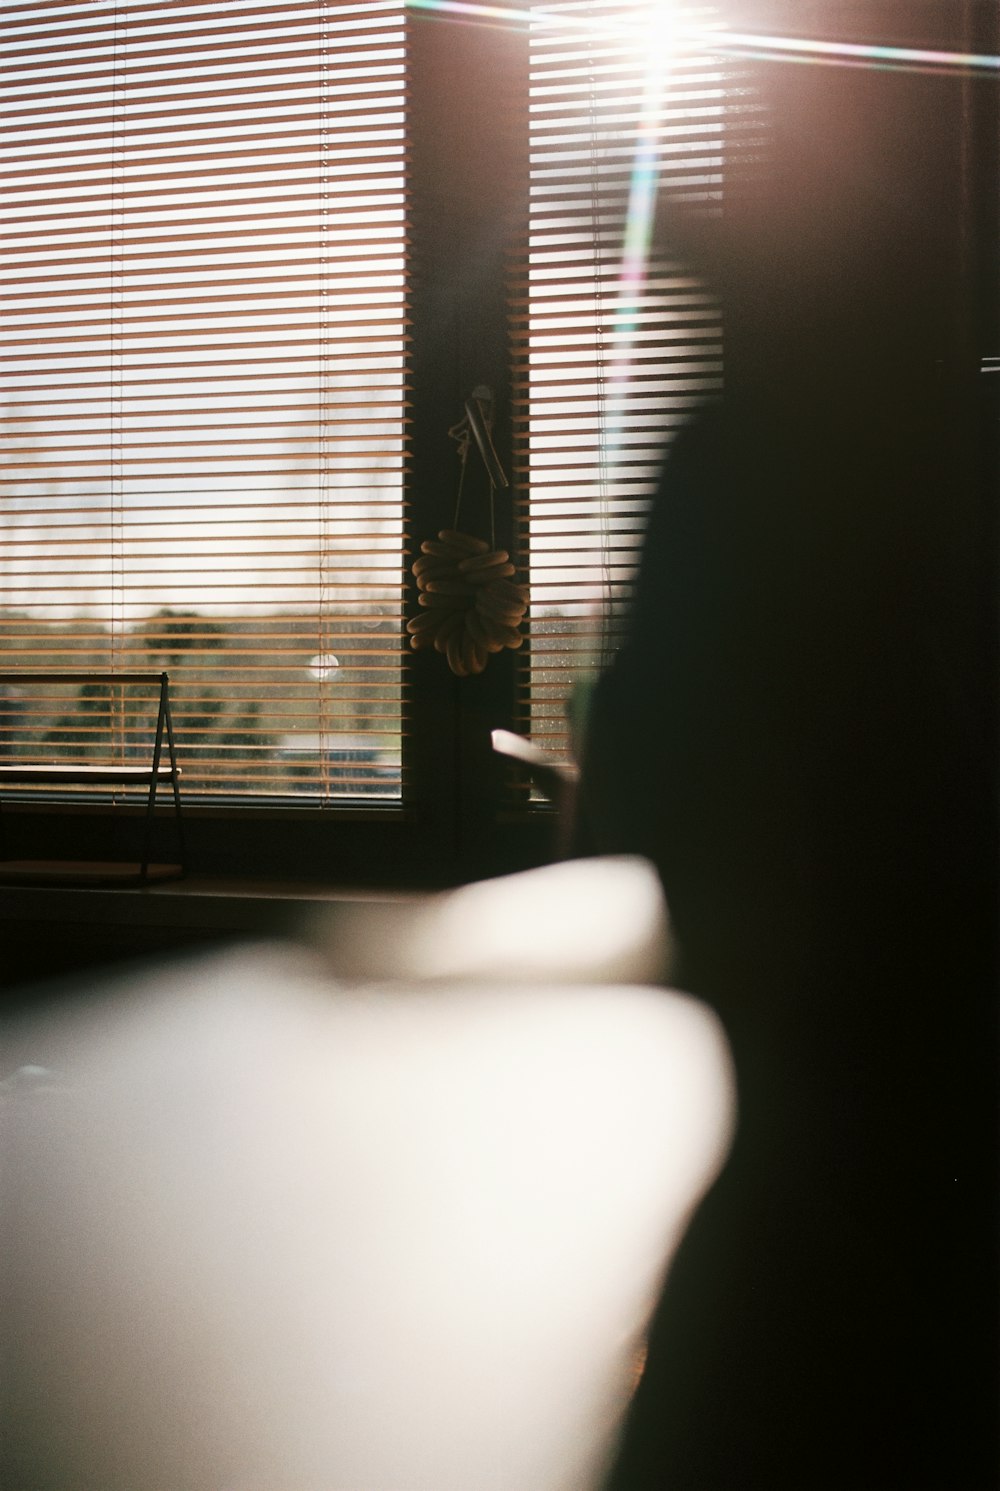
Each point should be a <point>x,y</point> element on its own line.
<point>468,165</point>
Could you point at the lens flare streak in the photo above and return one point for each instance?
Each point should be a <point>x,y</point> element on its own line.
<point>793,48</point>
<point>641,209</point>
<point>844,53</point>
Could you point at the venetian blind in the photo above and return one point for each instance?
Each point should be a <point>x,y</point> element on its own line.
<point>204,382</point>
<point>614,346</point>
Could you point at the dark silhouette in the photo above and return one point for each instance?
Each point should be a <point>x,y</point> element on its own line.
<point>800,733</point>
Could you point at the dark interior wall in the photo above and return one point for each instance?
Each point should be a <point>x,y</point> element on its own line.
<point>815,648</point>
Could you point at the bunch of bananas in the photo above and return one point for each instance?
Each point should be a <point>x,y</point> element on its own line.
<point>472,605</point>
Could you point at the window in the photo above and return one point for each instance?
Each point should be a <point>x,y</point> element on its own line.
<point>223,270</point>
<point>204,382</point>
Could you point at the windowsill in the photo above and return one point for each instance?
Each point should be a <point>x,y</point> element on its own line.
<point>196,902</point>
<point>254,871</point>
<point>246,809</point>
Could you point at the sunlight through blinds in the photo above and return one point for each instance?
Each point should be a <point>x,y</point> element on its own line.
<point>614,345</point>
<point>203,385</point>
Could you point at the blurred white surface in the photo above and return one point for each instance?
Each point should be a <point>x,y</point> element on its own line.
<point>267,1231</point>
<point>581,921</point>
